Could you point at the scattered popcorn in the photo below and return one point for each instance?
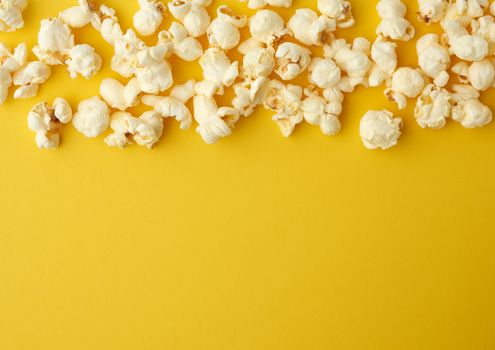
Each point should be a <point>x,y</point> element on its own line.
<point>384,59</point>
<point>153,72</point>
<point>324,72</point>
<point>149,17</point>
<point>250,94</point>
<point>379,129</point>
<point>393,24</point>
<point>46,122</point>
<point>118,96</point>
<point>318,111</point>
<point>268,27</point>
<point>405,83</point>
<point>291,60</point>
<point>258,4</point>
<point>29,78</point>
<point>11,15</point>
<point>218,69</point>
<point>433,58</point>
<point>83,60</point>
<point>77,16</point>
<point>54,40</point>
<point>468,110</point>
<point>432,11</point>
<point>146,130</point>
<point>223,31</point>
<point>340,10</point>
<point>481,75</point>
<point>433,107</point>
<point>258,62</point>
<point>194,16</point>
<point>92,117</point>
<point>180,43</point>
<point>310,29</point>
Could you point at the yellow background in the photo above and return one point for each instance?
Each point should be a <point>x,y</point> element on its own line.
<point>257,242</point>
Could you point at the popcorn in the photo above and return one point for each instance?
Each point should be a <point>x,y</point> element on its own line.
<point>481,75</point>
<point>182,45</point>
<point>310,29</point>
<point>432,11</point>
<point>29,78</point>
<point>105,21</point>
<point>267,26</point>
<point>83,60</point>
<point>384,59</point>
<point>258,4</point>
<point>285,101</point>
<point>11,15</point>
<point>379,129</point>
<point>258,62</point>
<point>485,27</point>
<point>149,17</point>
<point>126,50</point>
<point>340,10</point>
<point>92,117</point>
<point>5,83</point>
<point>218,69</point>
<point>433,58</point>
<point>470,47</point>
<point>54,39</point>
<point>468,110</point>
<point>317,111</point>
<point>249,94</point>
<point>12,62</point>
<point>77,16</point>
<point>46,122</point>
<point>174,105</point>
<point>153,73</point>
<point>146,130</point>
<point>405,82</point>
<point>194,17</point>
<point>291,60</point>
<point>213,122</point>
<point>393,25</point>
<point>433,107</point>
<point>223,31</point>
<point>324,72</point>
<point>118,96</point>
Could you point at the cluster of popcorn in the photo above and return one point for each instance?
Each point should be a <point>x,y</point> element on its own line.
<point>272,57</point>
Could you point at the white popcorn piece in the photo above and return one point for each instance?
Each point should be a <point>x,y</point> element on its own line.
<point>83,60</point>
<point>492,8</point>
<point>223,31</point>
<point>405,83</point>
<point>11,15</point>
<point>29,78</point>
<point>393,25</point>
<point>258,62</point>
<point>468,110</point>
<point>149,17</point>
<point>92,117</point>
<point>146,130</point>
<point>291,60</point>
<point>46,122</point>
<point>310,29</point>
<point>5,83</point>
<point>324,72</point>
<point>470,47</point>
<point>285,101</point>
<point>54,40</point>
<point>13,61</point>
<point>384,57</point>
<point>118,96</point>
<point>106,22</point>
<point>77,16</point>
<point>182,45</point>
<point>471,8</point>
<point>433,107</point>
<point>249,94</point>
<point>340,10</point>
<point>379,129</point>
<point>432,11</point>
<point>461,70</point>
<point>485,27</point>
<point>481,75</point>
<point>258,4</point>
<point>153,72</point>
<point>174,106</point>
<point>268,27</point>
<point>433,58</point>
<point>194,17</point>
<point>218,69</point>
<point>125,60</point>
<point>213,122</point>
<point>320,112</point>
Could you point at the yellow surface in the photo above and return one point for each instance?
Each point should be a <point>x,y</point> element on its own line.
<point>257,242</point>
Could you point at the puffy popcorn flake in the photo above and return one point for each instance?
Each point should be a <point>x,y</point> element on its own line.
<point>379,129</point>
<point>432,11</point>
<point>320,112</point>
<point>433,58</point>
<point>470,47</point>
<point>177,41</point>
<point>146,130</point>
<point>433,107</point>
<point>384,57</point>
<point>472,114</point>
<point>267,27</point>
<point>77,16</point>
<point>83,60</point>
<point>13,61</point>
<point>196,20</point>
<point>324,72</point>
<point>155,78</point>
<point>258,4</point>
<point>471,8</point>
<point>291,60</point>
<point>217,67</point>
<point>92,117</point>
<point>249,94</point>
<point>258,62</point>
<point>340,10</point>
<point>29,78</point>
<point>481,75</point>
<point>310,29</point>
<point>223,31</point>
<point>125,60</point>
<point>118,96</point>
<point>285,101</point>
<point>393,24</point>
<point>461,70</point>
<point>149,17</point>
<point>485,27</point>
<point>46,122</point>
<point>54,39</point>
<point>5,83</point>
<point>213,122</point>
<point>353,61</point>
<point>405,83</point>
<point>11,15</point>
